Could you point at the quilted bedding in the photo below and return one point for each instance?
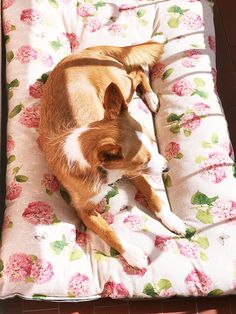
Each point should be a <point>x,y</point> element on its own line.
<point>46,252</point>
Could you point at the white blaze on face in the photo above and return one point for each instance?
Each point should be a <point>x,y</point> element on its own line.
<point>72,148</point>
<point>158,163</point>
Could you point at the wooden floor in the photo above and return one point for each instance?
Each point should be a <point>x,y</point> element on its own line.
<point>225,23</point>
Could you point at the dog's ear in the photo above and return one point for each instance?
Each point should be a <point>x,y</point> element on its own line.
<point>110,151</point>
<point>114,102</point>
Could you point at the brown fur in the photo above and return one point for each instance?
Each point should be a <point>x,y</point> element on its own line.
<point>83,89</point>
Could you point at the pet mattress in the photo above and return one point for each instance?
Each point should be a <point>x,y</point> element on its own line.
<point>46,251</point>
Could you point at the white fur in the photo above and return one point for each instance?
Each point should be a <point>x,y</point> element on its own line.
<point>171,221</point>
<point>157,163</point>
<point>152,101</point>
<point>73,150</point>
<point>134,255</point>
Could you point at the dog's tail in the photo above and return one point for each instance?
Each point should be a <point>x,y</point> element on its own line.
<point>130,56</point>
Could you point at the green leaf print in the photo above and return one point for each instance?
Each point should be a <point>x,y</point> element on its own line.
<point>200,93</point>
<point>234,169</point>
<point>1,265</point>
<point>99,4</point>
<point>113,252</point>
<point>14,83</point>
<point>99,256</point>
<point>175,128</point>
<point>214,138</point>
<point>53,3</point>
<point>202,242</point>
<point>43,78</point>
<point>199,159</point>
<point>174,117</point>
<point>176,9</point>
<point>141,13</point>
<point>167,73</point>
<point>39,296</point>
<point>187,133</point>
<point>10,56</point>
<point>143,22</point>
<point>58,246</point>
<point>10,159</point>
<point>56,44</point>
<point>15,170</point>
<point>190,232</point>
<point>167,181</point>
<point>174,22</point>
<point>17,109</point>
<point>202,199</point>
<point>199,82</point>
<point>216,292</point>
<point>203,257</point>
<point>29,280</point>
<point>75,255</point>
<point>149,290</point>
<point>179,156</point>
<point>112,193</point>
<point>204,216</point>
<point>206,144</point>
<point>164,284</point>
<point>21,178</point>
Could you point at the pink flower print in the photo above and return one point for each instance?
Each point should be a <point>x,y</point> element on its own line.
<point>86,9</point>
<point>192,21</point>
<point>73,40</point>
<point>167,293</point>
<point>7,27</point>
<point>18,267</point>
<point>79,285</point>
<point>172,150</point>
<point>198,283</point>
<point>128,9</point>
<point>114,290</point>
<point>92,24</point>
<point>190,121</point>
<point>10,144</point>
<point>212,43</point>
<point>108,217</point>
<point>30,116</point>
<point>7,3</point>
<point>165,243</point>
<point>82,238</point>
<point>13,191</point>
<point>183,87</point>
<point>36,89</point>
<point>140,199</point>
<point>191,58</point>
<point>26,54</point>
<point>215,168</point>
<point>188,249</point>
<point>116,29</point>
<point>46,59</point>
<point>134,222</point>
<point>214,75</point>
<point>41,271</point>
<point>38,213</point>
<point>157,71</point>
<point>201,109</point>
<point>227,147</point>
<point>130,270</point>
<point>31,17</point>
<point>224,209</point>
<point>50,182</point>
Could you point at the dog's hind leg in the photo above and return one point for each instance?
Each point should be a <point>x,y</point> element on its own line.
<point>163,212</point>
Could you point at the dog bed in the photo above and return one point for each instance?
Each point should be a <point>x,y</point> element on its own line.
<point>46,252</point>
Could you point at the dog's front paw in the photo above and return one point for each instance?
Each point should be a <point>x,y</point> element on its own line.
<point>152,101</point>
<point>135,257</point>
<point>173,222</point>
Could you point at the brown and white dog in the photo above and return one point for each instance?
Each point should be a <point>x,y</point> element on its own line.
<point>90,140</point>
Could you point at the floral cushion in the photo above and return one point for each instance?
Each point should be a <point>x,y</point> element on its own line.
<point>46,251</point>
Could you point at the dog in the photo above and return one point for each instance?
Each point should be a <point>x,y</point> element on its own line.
<point>90,140</point>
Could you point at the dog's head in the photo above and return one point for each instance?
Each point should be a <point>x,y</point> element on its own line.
<point>116,145</point>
